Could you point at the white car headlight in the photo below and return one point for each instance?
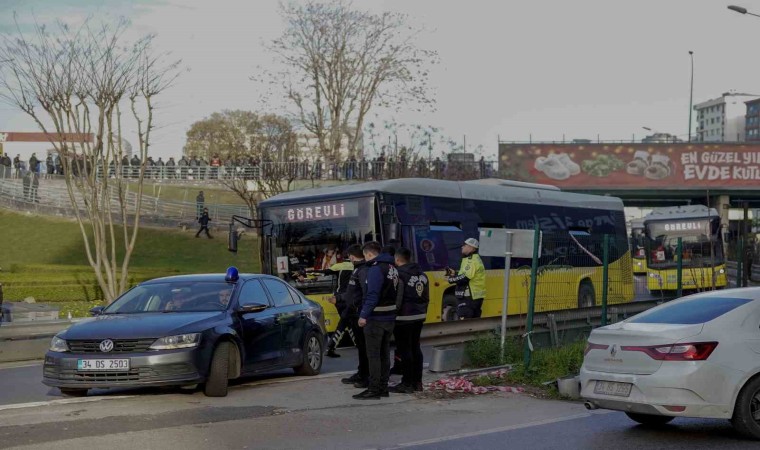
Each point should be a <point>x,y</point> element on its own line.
<point>175,342</point>
<point>721,271</point>
<point>58,345</point>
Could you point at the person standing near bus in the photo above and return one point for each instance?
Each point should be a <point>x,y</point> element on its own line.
<point>377,318</point>
<point>354,298</point>
<point>470,281</point>
<point>343,271</point>
<point>411,302</point>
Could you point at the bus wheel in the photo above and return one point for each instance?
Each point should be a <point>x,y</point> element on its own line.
<point>586,295</point>
<point>449,311</point>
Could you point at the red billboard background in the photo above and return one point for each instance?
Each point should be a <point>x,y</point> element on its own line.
<point>633,166</point>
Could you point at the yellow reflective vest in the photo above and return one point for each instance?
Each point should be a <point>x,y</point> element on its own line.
<point>472,268</point>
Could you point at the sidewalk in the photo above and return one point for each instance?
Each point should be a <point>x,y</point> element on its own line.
<point>294,412</point>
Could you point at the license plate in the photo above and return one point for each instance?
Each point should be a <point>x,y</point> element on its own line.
<point>97,365</point>
<point>613,388</point>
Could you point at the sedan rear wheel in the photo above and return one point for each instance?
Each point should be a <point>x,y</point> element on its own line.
<point>218,375</point>
<point>649,419</point>
<point>746,418</point>
<point>312,356</point>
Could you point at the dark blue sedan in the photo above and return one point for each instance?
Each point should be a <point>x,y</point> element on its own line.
<point>187,330</point>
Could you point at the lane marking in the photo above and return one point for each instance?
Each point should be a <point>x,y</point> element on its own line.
<point>20,364</point>
<point>65,401</point>
<point>495,430</point>
<point>292,379</point>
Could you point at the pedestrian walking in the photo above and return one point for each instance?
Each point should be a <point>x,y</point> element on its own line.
<point>470,281</point>
<point>200,200</point>
<point>354,297</point>
<point>377,318</point>
<point>204,220</point>
<point>412,301</point>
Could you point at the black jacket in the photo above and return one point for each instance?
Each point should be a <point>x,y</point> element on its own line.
<point>382,284</point>
<point>413,294</point>
<point>356,289</point>
<point>204,220</point>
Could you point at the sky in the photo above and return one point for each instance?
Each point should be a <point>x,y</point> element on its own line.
<point>514,70</point>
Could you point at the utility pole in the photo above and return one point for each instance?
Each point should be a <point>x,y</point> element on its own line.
<point>691,90</point>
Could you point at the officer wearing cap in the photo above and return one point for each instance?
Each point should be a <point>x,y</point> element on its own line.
<point>470,281</point>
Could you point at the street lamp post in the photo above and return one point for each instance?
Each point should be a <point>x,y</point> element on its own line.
<point>691,90</point>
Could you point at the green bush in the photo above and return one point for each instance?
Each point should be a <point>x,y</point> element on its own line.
<point>547,364</point>
<point>485,351</point>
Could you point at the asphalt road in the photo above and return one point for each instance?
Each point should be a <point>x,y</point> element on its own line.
<point>604,431</point>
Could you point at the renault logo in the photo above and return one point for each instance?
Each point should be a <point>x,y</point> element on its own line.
<point>106,346</point>
<point>613,350</point>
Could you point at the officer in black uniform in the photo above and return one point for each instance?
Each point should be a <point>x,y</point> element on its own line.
<point>353,297</point>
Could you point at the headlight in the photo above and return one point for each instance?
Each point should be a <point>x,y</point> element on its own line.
<point>721,271</point>
<point>58,345</point>
<point>175,342</point>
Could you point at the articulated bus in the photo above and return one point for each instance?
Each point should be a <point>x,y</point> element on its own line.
<point>308,230</point>
<point>701,248</point>
<point>638,249</point>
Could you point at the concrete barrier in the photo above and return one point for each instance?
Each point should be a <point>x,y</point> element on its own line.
<point>28,341</point>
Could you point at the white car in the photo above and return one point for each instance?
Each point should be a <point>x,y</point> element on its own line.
<point>698,356</point>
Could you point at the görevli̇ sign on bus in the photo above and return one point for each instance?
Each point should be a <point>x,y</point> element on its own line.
<point>633,166</point>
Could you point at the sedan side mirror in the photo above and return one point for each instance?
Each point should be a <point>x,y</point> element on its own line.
<point>252,308</point>
<point>96,311</point>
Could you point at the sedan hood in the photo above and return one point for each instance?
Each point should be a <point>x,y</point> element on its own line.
<point>140,326</point>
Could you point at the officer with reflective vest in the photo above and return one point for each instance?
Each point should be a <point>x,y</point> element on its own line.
<point>470,281</point>
<point>412,303</point>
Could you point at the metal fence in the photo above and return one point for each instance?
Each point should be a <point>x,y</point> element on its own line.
<point>52,197</point>
<point>304,170</point>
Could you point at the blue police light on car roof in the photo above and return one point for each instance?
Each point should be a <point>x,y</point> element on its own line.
<point>232,275</point>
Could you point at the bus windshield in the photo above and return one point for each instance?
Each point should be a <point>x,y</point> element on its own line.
<point>638,243</point>
<point>700,243</point>
<point>308,239</point>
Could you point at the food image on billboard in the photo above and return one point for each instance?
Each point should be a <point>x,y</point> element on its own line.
<point>633,166</point>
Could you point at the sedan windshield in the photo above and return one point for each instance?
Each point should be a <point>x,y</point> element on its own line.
<point>186,296</point>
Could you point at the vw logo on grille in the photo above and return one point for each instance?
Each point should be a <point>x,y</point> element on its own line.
<point>106,346</point>
<point>613,350</point>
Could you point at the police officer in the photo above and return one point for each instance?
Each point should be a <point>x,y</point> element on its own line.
<point>354,297</point>
<point>411,303</point>
<point>470,281</point>
<point>377,317</point>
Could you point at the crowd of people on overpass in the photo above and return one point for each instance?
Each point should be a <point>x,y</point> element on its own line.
<point>252,168</point>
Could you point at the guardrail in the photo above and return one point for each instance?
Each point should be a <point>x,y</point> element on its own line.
<point>548,326</point>
<point>29,341</point>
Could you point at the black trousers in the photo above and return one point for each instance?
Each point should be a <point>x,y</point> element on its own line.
<point>469,308</point>
<point>203,228</point>
<point>378,335</point>
<point>407,337</point>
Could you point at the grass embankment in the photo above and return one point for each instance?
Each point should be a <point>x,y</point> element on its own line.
<point>44,258</point>
<point>547,364</point>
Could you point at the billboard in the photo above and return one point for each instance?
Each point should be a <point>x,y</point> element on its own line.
<point>633,166</point>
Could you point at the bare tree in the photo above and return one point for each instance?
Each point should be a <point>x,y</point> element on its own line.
<point>272,144</point>
<point>340,62</point>
<point>78,82</point>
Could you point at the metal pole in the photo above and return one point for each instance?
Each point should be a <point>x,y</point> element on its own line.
<point>605,277</point>
<point>527,353</point>
<point>691,91</point>
<point>679,268</point>
<point>505,296</point>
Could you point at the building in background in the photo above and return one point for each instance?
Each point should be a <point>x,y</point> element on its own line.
<point>660,138</point>
<point>722,119</point>
<point>752,121</point>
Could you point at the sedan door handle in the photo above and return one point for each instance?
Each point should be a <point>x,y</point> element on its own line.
<point>276,320</point>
